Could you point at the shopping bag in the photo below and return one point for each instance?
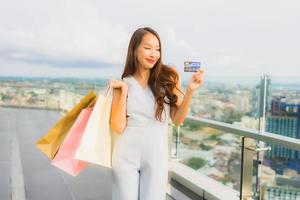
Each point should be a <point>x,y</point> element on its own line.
<point>97,142</point>
<point>64,159</point>
<point>51,141</point>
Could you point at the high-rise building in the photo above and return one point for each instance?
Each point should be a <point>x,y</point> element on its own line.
<point>279,193</point>
<point>261,93</point>
<point>283,119</point>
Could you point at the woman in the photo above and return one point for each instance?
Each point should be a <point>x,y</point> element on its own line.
<point>149,93</point>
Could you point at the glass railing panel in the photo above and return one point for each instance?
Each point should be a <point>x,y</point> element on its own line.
<point>209,151</point>
<point>234,101</point>
<point>280,178</point>
<point>279,175</point>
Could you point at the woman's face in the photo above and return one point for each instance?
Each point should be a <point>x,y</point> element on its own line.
<point>148,52</point>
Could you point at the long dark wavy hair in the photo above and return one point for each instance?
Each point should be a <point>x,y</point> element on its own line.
<point>163,78</point>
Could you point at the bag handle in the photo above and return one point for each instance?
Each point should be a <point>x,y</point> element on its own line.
<point>92,103</point>
<point>107,90</point>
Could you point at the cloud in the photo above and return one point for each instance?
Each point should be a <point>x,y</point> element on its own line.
<point>228,37</point>
<point>67,30</point>
<point>25,56</point>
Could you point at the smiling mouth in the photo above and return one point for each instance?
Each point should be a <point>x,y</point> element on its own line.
<point>151,61</point>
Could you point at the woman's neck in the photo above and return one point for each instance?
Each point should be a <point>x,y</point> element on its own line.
<point>142,75</point>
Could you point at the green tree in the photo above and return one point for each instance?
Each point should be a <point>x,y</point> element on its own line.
<point>196,162</point>
<point>193,126</point>
<point>234,117</point>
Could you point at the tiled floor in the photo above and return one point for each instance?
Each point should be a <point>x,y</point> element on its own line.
<point>42,180</point>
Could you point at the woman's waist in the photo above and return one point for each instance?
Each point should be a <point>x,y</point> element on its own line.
<point>145,126</point>
<point>144,122</point>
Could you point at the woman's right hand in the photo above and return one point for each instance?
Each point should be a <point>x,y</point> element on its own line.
<point>118,84</point>
<point>118,107</point>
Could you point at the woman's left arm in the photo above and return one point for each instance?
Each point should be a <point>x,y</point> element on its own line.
<point>183,101</point>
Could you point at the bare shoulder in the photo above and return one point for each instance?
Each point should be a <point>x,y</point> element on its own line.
<point>174,69</point>
<point>178,81</point>
<point>177,90</point>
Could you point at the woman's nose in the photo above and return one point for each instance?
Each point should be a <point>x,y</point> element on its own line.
<point>152,54</point>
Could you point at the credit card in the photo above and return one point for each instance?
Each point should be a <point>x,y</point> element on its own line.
<point>190,66</point>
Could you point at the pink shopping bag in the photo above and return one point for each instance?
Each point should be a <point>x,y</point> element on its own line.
<point>64,158</point>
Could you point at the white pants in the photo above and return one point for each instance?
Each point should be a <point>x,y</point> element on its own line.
<point>140,165</point>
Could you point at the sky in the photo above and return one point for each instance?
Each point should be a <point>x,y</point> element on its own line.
<point>89,38</point>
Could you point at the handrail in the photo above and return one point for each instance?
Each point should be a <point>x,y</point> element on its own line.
<point>288,142</point>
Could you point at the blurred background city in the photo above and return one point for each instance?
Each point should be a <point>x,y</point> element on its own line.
<point>241,139</point>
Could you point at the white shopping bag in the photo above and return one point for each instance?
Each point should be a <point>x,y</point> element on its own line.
<point>97,141</point>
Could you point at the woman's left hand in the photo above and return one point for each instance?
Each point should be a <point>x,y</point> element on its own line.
<point>196,81</point>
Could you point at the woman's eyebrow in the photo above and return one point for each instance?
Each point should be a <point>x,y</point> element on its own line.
<point>151,45</point>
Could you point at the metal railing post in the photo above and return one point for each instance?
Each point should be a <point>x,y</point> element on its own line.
<point>248,151</point>
<point>246,168</point>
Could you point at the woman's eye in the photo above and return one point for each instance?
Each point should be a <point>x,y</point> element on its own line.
<point>157,49</point>
<point>147,48</point>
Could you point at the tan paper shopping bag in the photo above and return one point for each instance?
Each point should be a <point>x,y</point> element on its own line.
<point>51,141</point>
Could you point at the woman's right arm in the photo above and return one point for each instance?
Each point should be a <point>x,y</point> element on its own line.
<point>119,106</point>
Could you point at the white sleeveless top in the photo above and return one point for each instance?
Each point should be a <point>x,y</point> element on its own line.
<point>141,106</point>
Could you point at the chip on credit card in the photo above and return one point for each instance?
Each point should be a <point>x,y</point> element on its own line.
<point>191,66</point>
